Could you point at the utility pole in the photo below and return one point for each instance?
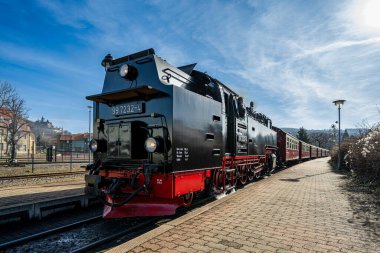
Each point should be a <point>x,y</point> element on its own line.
<point>89,132</point>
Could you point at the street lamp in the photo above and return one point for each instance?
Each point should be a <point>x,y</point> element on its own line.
<point>339,103</point>
<point>1,135</point>
<point>89,132</point>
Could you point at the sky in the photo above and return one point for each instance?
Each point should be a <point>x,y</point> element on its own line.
<point>292,58</point>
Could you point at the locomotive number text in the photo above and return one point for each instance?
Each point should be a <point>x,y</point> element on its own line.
<point>124,109</point>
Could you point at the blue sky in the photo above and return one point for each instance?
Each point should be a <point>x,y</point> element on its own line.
<point>292,58</point>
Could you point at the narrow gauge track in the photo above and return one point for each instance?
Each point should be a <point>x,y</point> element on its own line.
<point>88,234</point>
<point>42,175</point>
<point>48,232</point>
<point>140,228</point>
<point>153,222</point>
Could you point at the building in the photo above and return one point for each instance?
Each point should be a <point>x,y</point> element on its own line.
<point>74,142</point>
<point>26,144</point>
<point>46,133</point>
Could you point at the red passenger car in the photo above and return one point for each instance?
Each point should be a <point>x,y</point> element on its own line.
<point>304,150</point>
<point>313,151</point>
<point>288,146</point>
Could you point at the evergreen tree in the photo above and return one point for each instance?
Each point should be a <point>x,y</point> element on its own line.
<point>345,135</point>
<point>302,135</point>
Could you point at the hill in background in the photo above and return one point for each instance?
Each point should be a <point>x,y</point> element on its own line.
<point>350,131</point>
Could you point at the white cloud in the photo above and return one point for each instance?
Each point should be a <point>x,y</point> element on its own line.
<point>339,45</point>
<point>294,59</point>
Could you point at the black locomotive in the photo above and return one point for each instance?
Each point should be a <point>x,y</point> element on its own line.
<point>164,133</point>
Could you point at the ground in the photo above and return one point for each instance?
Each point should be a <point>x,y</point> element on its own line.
<point>305,208</point>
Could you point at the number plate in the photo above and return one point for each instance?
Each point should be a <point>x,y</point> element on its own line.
<point>130,108</point>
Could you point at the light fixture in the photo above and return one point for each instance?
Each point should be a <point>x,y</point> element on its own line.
<point>107,61</point>
<point>98,145</point>
<point>93,145</point>
<point>151,144</point>
<point>339,102</point>
<point>128,72</point>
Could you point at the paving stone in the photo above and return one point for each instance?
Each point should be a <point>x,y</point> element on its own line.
<point>278,214</point>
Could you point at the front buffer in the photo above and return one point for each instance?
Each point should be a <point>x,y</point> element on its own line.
<point>143,192</point>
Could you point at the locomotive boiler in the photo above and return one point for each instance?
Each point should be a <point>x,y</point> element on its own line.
<point>163,134</point>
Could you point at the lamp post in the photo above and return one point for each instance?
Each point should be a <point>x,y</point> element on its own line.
<point>1,143</point>
<point>89,132</point>
<point>339,103</point>
<point>1,136</point>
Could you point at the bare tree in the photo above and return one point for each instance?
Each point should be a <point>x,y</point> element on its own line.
<point>364,128</point>
<point>320,139</point>
<point>14,115</point>
<point>6,92</point>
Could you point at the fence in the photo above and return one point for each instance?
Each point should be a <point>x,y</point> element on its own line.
<point>51,156</point>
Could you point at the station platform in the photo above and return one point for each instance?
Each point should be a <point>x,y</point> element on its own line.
<point>31,201</point>
<point>301,209</point>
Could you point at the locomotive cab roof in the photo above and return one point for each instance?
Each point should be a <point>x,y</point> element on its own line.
<point>153,78</point>
<point>142,92</point>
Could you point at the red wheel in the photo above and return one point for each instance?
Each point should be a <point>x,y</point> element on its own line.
<point>232,177</point>
<point>251,173</point>
<point>188,199</point>
<point>258,175</point>
<point>218,181</point>
<point>243,174</point>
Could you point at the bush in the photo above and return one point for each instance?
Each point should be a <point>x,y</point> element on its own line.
<point>344,150</point>
<point>362,156</point>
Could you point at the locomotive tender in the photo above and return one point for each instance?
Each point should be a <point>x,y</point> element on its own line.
<point>163,134</point>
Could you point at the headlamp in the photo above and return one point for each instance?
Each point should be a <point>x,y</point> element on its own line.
<point>98,145</point>
<point>123,70</point>
<point>93,145</point>
<point>150,144</point>
<point>128,72</point>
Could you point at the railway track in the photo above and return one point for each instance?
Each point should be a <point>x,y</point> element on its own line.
<point>93,234</point>
<point>60,174</point>
<point>48,232</point>
<point>90,234</point>
<point>138,229</point>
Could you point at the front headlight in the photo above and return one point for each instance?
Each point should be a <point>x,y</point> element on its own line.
<point>128,72</point>
<point>150,144</point>
<point>93,145</point>
<point>123,70</point>
<point>98,145</point>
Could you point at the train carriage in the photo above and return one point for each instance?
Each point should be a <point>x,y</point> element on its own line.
<point>288,146</point>
<point>313,151</point>
<point>304,150</point>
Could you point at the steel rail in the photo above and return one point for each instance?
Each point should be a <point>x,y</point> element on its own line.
<point>42,175</point>
<point>115,236</point>
<point>145,224</point>
<point>48,232</point>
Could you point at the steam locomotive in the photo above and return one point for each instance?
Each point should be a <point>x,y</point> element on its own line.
<point>163,134</point>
